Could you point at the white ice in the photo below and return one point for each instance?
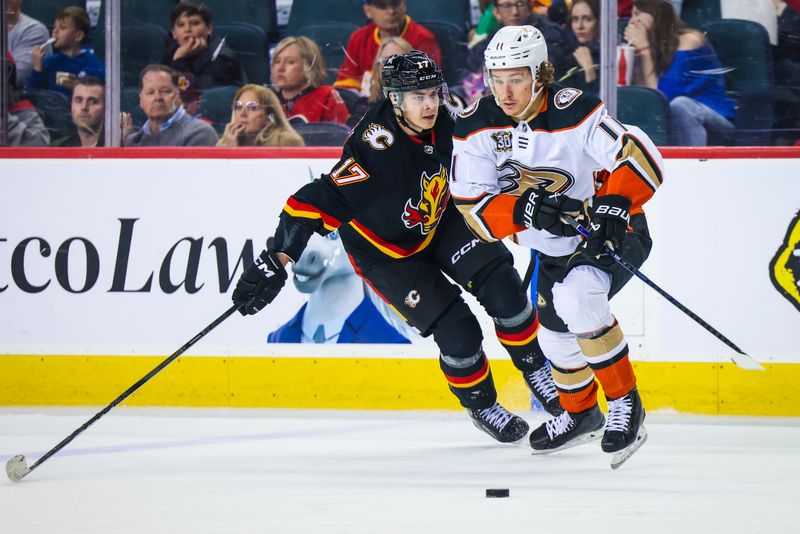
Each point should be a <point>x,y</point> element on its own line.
<point>326,472</point>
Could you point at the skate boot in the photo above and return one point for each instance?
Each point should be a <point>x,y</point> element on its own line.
<point>499,423</point>
<point>625,431</point>
<point>541,384</point>
<point>567,430</point>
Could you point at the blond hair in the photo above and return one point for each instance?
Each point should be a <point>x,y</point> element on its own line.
<point>375,90</point>
<point>313,62</point>
<point>278,131</point>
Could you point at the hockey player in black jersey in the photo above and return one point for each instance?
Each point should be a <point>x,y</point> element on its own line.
<point>522,157</point>
<point>389,198</point>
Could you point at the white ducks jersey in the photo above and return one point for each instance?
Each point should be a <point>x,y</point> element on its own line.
<point>571,147</point>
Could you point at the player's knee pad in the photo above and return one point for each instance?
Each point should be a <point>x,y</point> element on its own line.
<point>498,288</point>
<point>561,348</point>
<point>457,332</point>
<point>581,300</point>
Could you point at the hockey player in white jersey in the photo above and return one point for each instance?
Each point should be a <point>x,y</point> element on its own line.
<point>522,157</point>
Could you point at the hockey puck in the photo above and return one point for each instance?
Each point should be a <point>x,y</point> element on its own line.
<point>497,492</point>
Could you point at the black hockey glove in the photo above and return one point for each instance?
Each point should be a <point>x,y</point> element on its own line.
<point>260,283</point>
<point>610,217</point>
<point>540,209</point>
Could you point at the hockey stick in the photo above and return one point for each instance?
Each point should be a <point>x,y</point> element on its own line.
<point>17,468</point>
<point>741,359</point>
<point>526,281</point>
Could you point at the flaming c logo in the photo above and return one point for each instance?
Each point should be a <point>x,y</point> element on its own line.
<point>432,202</point>
<point>784,269</point>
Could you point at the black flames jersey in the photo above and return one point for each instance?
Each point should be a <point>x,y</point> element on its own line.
<point>386,194</point>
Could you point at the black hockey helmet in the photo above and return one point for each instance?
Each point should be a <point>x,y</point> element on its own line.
<point>409,72</point>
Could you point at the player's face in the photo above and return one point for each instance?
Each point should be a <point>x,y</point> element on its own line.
<point>584,23</point>
<point>159,97</point>
<point>249,111</point>
<point>88,106</point>
<point>421,107</point>
<point>513,89</point>
<point>288,71</point>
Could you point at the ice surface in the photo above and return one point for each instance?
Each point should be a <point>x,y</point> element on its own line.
<point>285,471</point>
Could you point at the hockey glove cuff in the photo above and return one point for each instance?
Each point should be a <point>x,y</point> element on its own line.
<point>610,217</point>
<point>260,283</point>
<point>540,209</point>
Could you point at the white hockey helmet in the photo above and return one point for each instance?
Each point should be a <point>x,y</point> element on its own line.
<point>512,47</point>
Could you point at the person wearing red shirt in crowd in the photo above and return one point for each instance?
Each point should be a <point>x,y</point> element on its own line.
<point>389,19</point>
<point>298,78</point>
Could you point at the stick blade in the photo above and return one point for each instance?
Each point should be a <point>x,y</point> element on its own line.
<point>17,468</point>
<point>743,361</point>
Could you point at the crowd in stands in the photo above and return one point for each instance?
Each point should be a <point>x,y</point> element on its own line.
<point>688,68</point>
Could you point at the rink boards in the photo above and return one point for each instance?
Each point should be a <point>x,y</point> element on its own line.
<point>109,264</point>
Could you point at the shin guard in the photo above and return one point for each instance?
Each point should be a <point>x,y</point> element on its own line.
<point>470,380</point>
<point>607,354</point>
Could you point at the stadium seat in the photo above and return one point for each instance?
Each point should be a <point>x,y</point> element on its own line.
<point>54,109</point>
<point>698,13</point>
<point>45,10</point>
<point>646,108</point>
<point>322,133</point>
<point>743,46</point>
<point>215,105</point>
<point>129,103</point>
<point>250,44</point>
<point>147,12</point>
<point>261,13</point>
<point>311,12</point>
<point>453,44</point>
<point>140,45</point>
<point>453,11</point>
<point>332,39</point>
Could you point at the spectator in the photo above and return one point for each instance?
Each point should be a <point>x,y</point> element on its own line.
<point>486,24</point>
<point>389,19</point>
<point>683,65</point>
<point>25,126</point>
<point>518,13</point>
<point>196,51</point>
<point>191,96</point>
<point>88,113</point>
<point>24,33</point>
<point>582,66</point>
<point>298,78</point>
<point>373,91</point>
<point>61,71</point>
<point>258,120</point>
<point>167,123</point>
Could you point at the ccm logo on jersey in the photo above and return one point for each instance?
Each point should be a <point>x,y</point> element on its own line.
<point>567,96</point>
<point>463,250</point>
<point>378,137</point>
<point>614,211</point>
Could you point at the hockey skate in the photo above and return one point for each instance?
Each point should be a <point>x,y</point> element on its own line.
<point>499,423</point>
<point>568,430</point>
<point>625,431</point>
<point>541,384</point>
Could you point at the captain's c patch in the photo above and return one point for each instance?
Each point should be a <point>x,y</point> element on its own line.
<point>784,269</point>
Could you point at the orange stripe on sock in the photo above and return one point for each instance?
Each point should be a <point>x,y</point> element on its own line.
<point>580,400</point>
<point>617,379</point>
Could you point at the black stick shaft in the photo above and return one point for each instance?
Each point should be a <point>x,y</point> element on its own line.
<point>526,281</point>
<point>136,386</point>
<point>628,266</point>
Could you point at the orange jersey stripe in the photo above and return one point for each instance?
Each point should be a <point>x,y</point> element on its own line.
<point>497,216</point>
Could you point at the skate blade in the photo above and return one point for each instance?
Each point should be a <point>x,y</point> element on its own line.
<point>586,438</point>
<point>620,457</point>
